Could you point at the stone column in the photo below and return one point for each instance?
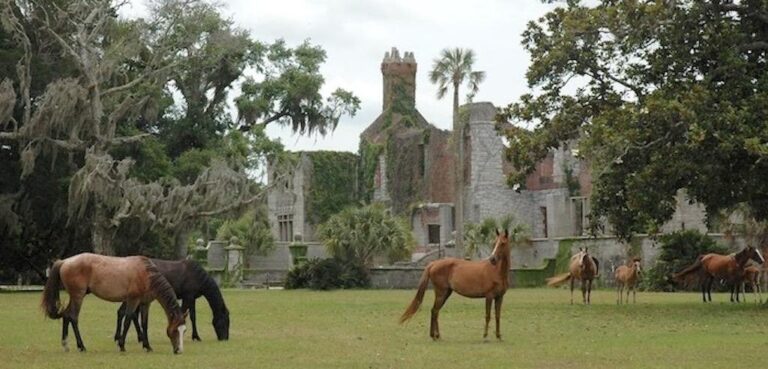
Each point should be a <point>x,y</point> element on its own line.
<point>298,250</point>
<point>235,265</point>
<point>200,253</point>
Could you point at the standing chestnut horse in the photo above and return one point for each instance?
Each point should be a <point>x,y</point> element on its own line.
<point>627,277</point>
<point>133,280</point>
<point>713,267</point>
<point>487,279</point>
<point>584,268</point>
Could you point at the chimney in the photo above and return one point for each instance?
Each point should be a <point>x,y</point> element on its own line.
<point>399,77</point>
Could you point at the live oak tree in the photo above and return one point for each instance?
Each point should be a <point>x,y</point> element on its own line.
<point>661,96</point>
<point>95,148</point>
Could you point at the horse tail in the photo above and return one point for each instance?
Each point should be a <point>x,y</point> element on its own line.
<point>557,280</point>
<point>414,306</point>
<point>51,303</point>
<point>692,268</point>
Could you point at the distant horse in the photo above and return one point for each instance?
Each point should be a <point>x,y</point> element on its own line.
<point>583,267</point>
<point>752,276</point>
<point>189,281</point>
<point>713,267</point>
<point>134,280</point>
<point>627,277</point>
<point>487,279</point>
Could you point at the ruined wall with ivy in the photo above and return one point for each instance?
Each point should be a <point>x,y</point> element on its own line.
<point>332,184</point>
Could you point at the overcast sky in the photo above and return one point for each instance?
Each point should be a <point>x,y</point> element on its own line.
<point>356,34</point>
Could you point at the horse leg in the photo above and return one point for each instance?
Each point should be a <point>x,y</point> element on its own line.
<point>64,333</point>
<point>583,292</point>
<point>144,312</point>
<point>130,310</point>
<point>634,294</point>
<point>756,288</point>
<point>572,283</point>
<point>140,332</point>
<point>589,292</point>
<point>440,298</point>
<point>120,316</point>
<point>73,312</point>
<point>497,306</point>
<point>710,282</point>
<point>190,303</point>
<point>618,293</point>
<point>488,300</point>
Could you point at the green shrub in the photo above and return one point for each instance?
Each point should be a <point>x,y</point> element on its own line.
<point>327,274</point>
<point>356,235</point>
<point>678,250</point>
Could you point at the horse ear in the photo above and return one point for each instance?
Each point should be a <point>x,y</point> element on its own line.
<point>506,233</point>
<point>497,231</point>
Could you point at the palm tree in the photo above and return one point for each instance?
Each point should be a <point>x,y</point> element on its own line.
<point>452,69</point>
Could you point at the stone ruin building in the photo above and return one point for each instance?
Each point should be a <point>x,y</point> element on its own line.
<point>407,163</point>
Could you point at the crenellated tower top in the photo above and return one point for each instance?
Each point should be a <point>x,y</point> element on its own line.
<point>399,77</point>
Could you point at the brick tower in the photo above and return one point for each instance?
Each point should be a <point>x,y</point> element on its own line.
<point>399,76</point>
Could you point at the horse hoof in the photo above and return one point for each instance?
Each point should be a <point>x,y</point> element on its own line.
<point>194,338</point>
<point>147,349</point>
<point>81,349</point>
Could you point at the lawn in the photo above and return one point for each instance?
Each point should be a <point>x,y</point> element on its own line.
<point>358,329</point>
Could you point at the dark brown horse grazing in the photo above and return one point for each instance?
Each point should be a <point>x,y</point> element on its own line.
<point>713,267</point>
<point>133,280</point>
<point>627,277</point>
<point>487,279</point>
<point>583,267</point>
<point>189,281</point>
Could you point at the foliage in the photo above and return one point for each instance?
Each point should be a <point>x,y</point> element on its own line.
<point>405,158</point>
<point>333,184</point>
<point>369,160</point>
<point>115,131</point>
<point>479,238</point>
<point>356,235</point>
<point>327,274</point>
<point>678,250</point>
<point>289,93</point>
<point>663,96</point>
<point>251,229</point>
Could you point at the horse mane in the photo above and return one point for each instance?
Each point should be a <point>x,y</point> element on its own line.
<point>161,288</point>
<point>208,287</point>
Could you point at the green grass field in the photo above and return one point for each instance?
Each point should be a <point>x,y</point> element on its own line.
<point>358,329</point>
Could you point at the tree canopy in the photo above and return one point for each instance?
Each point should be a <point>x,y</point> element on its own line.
<point>661,96</point>
<point>115,133</point>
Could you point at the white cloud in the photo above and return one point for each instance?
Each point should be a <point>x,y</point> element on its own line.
<point>355,35</point>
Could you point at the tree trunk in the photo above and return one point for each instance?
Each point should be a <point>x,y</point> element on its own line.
<point>102,234</point>
<point>458,139</point>
<point>180,240</point>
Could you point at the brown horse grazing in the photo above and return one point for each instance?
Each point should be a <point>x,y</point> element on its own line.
<point>583,267</point>
<point>133,280</point>
<point>627,277</point>
<point>713,267</point>
<point>487,279</point>
<point>751,276</point>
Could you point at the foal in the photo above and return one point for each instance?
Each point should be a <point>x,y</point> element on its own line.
<point>751,276</point>
<point>627,277</point>
<point>487,279</point>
